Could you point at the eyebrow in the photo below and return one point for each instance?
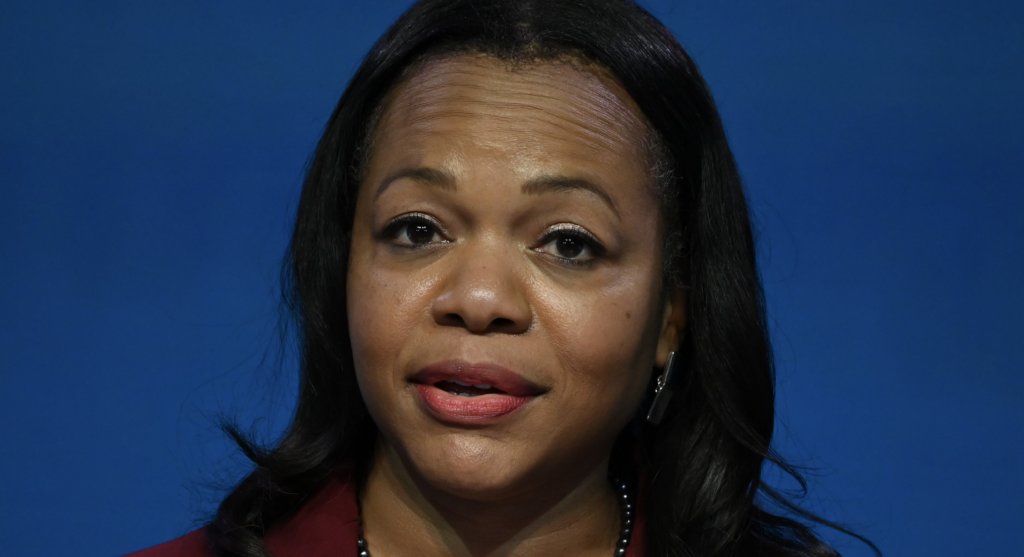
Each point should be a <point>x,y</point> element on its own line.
<point>555,184</point>
<point>424,175</point>
<point>535,186</point>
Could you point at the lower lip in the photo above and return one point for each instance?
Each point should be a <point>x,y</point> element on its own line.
<point>469,409</point>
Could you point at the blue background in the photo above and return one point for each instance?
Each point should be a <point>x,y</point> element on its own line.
<point>150,160</point>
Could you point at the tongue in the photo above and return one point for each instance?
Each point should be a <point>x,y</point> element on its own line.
<point>464,390</point>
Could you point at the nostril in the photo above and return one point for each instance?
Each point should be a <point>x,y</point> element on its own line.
<point>454,320</point>
<point>502,323</point>
<point>497,324</point>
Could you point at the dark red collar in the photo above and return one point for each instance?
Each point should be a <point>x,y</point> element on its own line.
<point>326,526</point>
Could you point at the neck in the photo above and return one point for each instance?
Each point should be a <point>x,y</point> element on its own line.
<point>402,514</point>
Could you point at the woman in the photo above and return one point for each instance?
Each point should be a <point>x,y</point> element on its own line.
<point>532,322</point>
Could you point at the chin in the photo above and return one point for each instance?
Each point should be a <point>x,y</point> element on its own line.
<point>469,466</point>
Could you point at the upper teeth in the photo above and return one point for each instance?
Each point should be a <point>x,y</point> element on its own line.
<point>480,386</point>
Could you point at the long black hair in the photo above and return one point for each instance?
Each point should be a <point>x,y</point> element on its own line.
<point>706,496</point>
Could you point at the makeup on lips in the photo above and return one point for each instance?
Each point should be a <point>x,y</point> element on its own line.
<point>457,392</point>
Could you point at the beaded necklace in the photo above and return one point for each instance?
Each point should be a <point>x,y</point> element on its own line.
<point>627,513</point>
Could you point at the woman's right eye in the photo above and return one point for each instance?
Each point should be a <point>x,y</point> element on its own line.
<point>413,231</point>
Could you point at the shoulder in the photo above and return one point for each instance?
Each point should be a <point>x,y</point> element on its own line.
<point>192,544</point>
<point>326,525</point>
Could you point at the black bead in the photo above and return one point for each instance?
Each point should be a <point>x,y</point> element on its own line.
<point>620,552</point>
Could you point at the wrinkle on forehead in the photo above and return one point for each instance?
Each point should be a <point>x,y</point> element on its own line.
<point>572,103</point>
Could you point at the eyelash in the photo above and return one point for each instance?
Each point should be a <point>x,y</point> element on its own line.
<point>394,229</point>
<point>579,233</point>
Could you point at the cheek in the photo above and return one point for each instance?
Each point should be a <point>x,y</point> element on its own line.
<point>383,310</point>
<point>606,338</point>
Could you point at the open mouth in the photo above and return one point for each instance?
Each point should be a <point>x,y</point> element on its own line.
<point>460,388</point>
<point>456,392</point>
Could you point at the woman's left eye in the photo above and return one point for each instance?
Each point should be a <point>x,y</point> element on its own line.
<point>571,243</point>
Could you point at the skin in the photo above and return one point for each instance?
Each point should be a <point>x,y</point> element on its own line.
<point>471,145</point>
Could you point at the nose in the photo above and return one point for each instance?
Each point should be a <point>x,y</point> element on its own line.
<point>483,293</point>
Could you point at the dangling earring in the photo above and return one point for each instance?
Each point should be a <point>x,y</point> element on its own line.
<point>663,390</point>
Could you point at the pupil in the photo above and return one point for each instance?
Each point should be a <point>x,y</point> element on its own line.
<point>420,233</point>
<point>569,247</point>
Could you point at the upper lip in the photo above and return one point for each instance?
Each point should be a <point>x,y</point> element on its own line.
<point>496,376</point>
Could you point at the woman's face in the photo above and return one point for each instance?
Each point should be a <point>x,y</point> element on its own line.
<point>504,287</point>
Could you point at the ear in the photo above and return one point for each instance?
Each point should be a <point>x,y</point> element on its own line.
<point>673,325</point>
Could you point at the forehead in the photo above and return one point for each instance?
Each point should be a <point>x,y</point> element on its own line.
<point>548,113</point>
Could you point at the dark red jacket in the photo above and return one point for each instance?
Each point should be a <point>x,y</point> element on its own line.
<point>326,526</point>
